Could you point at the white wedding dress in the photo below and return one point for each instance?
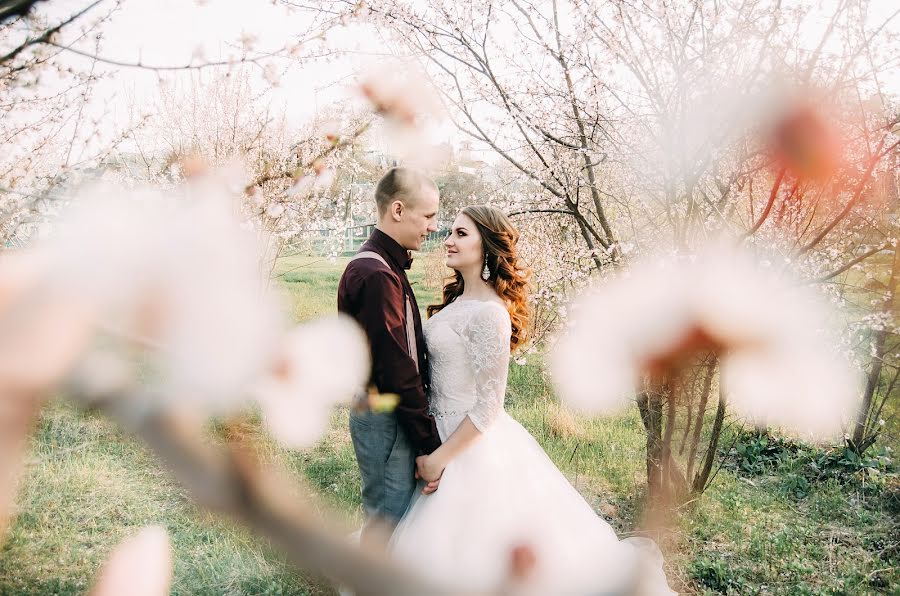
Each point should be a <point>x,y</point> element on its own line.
<point>503,491</point>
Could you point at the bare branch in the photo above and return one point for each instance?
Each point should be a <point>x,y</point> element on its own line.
<point>857,194</point>
<point>47,36</point>
<point>231,482</point>
<point>850,264</point>
<point>15,8</point>
<point>774,193</point>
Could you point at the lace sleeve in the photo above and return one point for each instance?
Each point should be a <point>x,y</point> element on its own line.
<point>487,343</point>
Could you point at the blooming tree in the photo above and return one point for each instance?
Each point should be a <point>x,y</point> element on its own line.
<point>654,130</point>
<point>631,138</point>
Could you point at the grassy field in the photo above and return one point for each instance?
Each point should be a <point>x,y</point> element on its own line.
<point>759,529</point>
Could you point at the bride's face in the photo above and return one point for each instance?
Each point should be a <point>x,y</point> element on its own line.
<point>464,250</point>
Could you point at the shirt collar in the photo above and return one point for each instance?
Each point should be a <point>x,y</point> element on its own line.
<point>400,255</point>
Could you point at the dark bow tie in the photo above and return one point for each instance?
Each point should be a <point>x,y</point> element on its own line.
<point>409,260</point>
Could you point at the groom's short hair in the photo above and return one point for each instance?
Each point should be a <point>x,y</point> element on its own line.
<point>400,184</point>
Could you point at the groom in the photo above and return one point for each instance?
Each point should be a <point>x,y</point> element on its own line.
<point>375,291</point>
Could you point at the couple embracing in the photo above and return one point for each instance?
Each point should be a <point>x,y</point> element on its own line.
<point>492,507</point>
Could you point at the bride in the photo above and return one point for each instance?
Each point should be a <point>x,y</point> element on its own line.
<point>501,504</point>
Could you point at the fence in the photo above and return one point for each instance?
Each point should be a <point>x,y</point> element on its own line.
<point>325,241</point>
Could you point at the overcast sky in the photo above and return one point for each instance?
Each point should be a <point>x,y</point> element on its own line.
<point>171,32</point>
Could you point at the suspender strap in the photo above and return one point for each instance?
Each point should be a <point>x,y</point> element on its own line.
<point>411,346</point>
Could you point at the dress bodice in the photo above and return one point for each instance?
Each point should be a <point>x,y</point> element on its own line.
<point>468,350</point>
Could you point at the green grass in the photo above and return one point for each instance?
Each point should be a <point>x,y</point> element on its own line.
<point>750,536</point>
<point>87,486</point>
<point>311,284</point>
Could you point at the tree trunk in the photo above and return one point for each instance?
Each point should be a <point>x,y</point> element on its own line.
<point>863,437</point>
<point>650,407</point>
<point>701,414</point>
<point>666,482</point>
<point>701,480</point>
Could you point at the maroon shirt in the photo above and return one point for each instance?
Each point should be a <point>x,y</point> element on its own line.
<point>375,296</point>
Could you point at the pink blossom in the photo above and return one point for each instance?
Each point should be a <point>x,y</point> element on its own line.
<point>320,364</point>
<point>139,566</point>
<point>175,274</point>
<point>780,357</point>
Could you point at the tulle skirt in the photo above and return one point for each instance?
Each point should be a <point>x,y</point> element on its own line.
<point>503,494</point>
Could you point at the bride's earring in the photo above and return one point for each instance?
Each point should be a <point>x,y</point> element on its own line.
<point>486,272</point>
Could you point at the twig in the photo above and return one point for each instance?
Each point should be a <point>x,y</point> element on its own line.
<point>850,264</point>
<point>47,35</point>
<point>339,144</point>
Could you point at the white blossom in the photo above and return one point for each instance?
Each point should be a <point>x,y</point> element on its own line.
<point>301,187</point>
<point>271,75</point>
<point>779,356</point>
<point>275,210</point>
<point>407,101</point>
<point>175,274</point>
<point>320,364</point>
<point>141,565</point>
<point>248,41</point>
<point>324,180</point>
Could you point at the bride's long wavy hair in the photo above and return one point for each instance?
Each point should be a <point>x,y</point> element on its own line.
<point>509,275</point>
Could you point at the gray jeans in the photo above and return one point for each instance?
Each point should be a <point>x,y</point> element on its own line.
<point>386,464</point>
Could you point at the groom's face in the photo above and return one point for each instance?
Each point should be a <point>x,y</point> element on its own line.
<point>419,218</point>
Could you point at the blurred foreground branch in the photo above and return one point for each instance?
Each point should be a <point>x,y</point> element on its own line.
<point>232,482</point>
<point>15,8</point>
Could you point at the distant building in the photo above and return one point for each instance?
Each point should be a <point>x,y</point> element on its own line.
<point>467,162</point>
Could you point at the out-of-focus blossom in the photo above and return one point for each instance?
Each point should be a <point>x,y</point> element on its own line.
<point>16,415</point>
<point>321,181</point>
<point>41,338</point>
<point>139,566</point>
<point>324,180</point>
<point>256,196</point>
<point>176,274</point>
<point>803,142</point>
<point>193,165</point>
<point>275,210</point>
<point>41,334</point>
<point>331,130</point>
<point>522,562</point>
<point>399,93</point>
<point>271,75</point>
<point>171,283</point>
<point>301,187</point>
<point>248,41</point>
<point>320,364</point>
<point>233,177</point>
<point>780,359</point>
<point>407,101</point>
<point>792,124</point>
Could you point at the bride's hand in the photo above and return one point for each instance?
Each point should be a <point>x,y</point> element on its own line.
<point>429,468</point>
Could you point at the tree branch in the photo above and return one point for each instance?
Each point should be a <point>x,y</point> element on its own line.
<point>774,193</point>
<point>231,482</point>
<point>854,200</point>
<point>47,35</point>
<point>850,264</point>
<point>15,8</point>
